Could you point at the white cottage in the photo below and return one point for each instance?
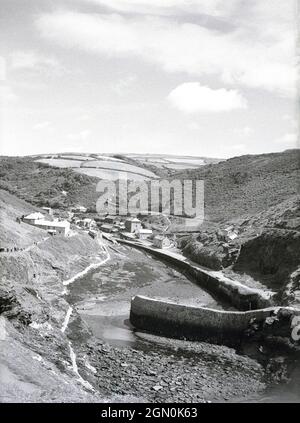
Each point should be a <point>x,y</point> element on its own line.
<point>160,241</point>
<point>33,218</point>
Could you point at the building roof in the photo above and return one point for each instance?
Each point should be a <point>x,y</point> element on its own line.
<point>133,219</point>
<point>145,231</point>
<point>128,235</point>
<point>61,224</point>
<point>160,237</point>
<point>35,216</point>
<point>106,226</point>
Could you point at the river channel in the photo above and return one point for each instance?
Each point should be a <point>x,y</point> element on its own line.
<point>102,298</point>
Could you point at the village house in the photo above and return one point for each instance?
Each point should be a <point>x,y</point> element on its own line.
<point>110,219</point>
<point>106,227</point>
<point>232,235</point>
<point>85,223</point>
<point>227,234</point>
<point>89,223</point>
<point>133,225</point>
<point>120,226</point>
<point>144,233</point>
<point>79,209</point>
<point>52,226</point>
<point>128,235</point>
<point>160,241</point>
<point>93,233</point>
<point>76,221</point>
<point>48,210</point>
<point>71,215</point>
<point>55,227</point>
<point>33,218</point>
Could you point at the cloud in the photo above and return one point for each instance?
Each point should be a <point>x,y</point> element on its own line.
<point>79,136</point>
<point>191,97</point>
<point>85,116</point>
<point>290,120</point>
<point>258,52</point>
<point>7,94</point>
<point>2,68</point>
<point>246,131</point>
<point>240,148</point>
<point>289,139</point>
<point>33,61</point>
<point>170,7</point>
<point>194,126</point>
<point>41,125</point>
<point>287,117</point>
<point>123,85</point>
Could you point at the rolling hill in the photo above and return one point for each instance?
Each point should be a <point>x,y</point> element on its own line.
<point>247,184</point>
<point>234,188</point>
<point>63,180</point>
<point>43,185</point>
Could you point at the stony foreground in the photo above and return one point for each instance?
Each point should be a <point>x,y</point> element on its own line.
<point>198,373</point>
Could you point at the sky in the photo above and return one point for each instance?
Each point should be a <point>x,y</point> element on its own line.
<point>189,77</point>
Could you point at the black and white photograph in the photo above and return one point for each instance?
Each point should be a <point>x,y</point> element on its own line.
<point>149,205</point>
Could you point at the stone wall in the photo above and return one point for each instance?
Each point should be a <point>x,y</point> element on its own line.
<point>199,323</point>
<point>240,296</point>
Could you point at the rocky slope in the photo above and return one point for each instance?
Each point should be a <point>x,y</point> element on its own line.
<point>35,356</point>
<point>264,254</point>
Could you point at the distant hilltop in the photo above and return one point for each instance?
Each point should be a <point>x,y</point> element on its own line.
<point>233,187</point>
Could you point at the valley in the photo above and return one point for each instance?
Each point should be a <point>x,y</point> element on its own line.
<point>65,300</point>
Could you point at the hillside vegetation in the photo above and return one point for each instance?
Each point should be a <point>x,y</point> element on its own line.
<point>247,184</point>
<point>233,188</point>
<point>258,196</point>
<point>43,185</point>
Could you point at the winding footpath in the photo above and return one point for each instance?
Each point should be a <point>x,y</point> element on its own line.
<point>70,310</point>
<point>89,268</point>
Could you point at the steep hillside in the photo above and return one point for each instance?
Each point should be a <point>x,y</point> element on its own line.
<point>36,360</point>
<point>284,215</point>
<point>264,254</point>
<point>43,185</point>
<point>247,184</point>
<point>14,234</point>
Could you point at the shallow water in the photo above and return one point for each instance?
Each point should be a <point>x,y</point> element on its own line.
<point>102,297</point>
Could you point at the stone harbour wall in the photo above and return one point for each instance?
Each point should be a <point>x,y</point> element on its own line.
<point>203,324</point>
<point>224,289</point>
